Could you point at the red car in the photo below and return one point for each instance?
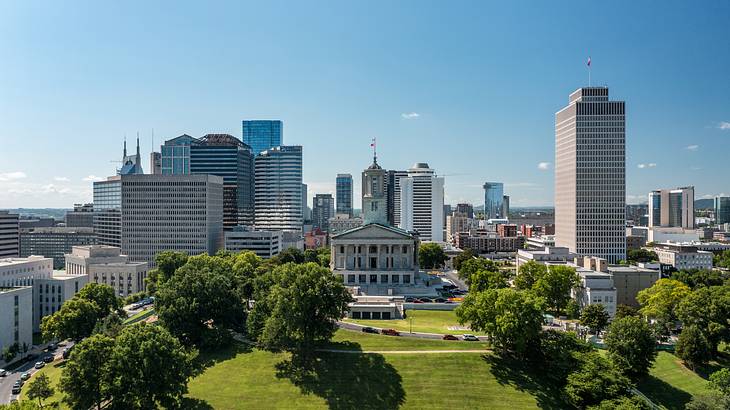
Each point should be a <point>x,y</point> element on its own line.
<point>390,332</point>
<point>450,337</point>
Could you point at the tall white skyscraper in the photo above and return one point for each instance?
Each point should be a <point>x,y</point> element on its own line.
<point>278,189</point>
<point>590,175</point>
<point>672,207</point>
<point>422,203</point>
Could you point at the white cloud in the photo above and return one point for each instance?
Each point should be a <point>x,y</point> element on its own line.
<point>724,125</point>
<point>60,179</point>
<point>11,176</point>
<point>410,115</point>
<point>692,147</point>
<point>543,166</point>
<point>649,165</point>
<point>92,178</point>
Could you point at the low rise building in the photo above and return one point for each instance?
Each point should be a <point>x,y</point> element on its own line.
<point>376,307</point>
<point>265,244</point>
<point>663,234</point>
<point>106,265</point>
<point>82,216</point>
<point>635,242</point>
<point>51,292</point>
<point>595,288</point>
<point>683,256</point>
<point>343,222</point>
<point>630,280</point>
<point>315,238</point>
<point>54,242</point>
<point>721,236</point>
<point>540,242</point>
<point>16,317</point>
<point>549,254</point>
<point>507,230</point>
<point>488,243</point>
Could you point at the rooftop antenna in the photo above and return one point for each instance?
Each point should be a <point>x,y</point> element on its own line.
<point>375,152</point>
<point>153,140</point>
<point>125,146</point>
<point>588,63</point>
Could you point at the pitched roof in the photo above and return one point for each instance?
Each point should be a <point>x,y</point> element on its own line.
<point>386,227</point>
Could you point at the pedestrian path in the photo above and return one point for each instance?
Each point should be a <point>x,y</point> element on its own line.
<point>402,351</point>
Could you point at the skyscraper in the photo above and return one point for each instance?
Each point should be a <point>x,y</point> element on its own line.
<point>175,155</point>
<point>131,164</point>
<point>155,163</point>
<point>466,209</point>
<point>722,209</point>
<point>9,235</point>
<point>344,194</point>
<point>147,214</point>
<point>306,212</point>
<point>323,208</point>
<point>279,189</point>
<point>422,203</point>
<point>590,175</point>
<point>493,200</point>
<point>672,208</point>
<point>261,135</point>
<point>393,195</point>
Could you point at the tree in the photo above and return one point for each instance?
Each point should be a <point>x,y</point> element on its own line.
<point>661,300</point>
<point>103,296</point>
<point>625,311</point>
<point>623,403</point>
<point>641,255</point>
<point>528,275</point>
<point>594,317</point>
<point>484,279</point>
<point>310,255</point>
<point>692,347</point>
<point>596,380</point>
<point>555,286</point>
<point>75,320</point>
<point>84,380</point>
<point>512,319</point>
<point>572,309</point>
<point>167,263</point>
<point>720,381</point>
<point>202,301</point>
<point>471,266</point>
<point>723,260</point>
<point>697,278</point>
<point>464,256</point>
<point>149,369</point>
<point>300,309</point>
<point>631,345</point>
<point>708,308</point>
<point>558,354</point>
<point>290,255</point>
<point>40,388</point>
<point>431,256</point>
<point>708,401</point>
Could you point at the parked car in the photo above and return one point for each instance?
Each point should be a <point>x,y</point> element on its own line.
<point>470,338</point>
<point>390,332</point>
<point>416,301</point>
<point>426,300</point>
<point>24,377</point>
<point>370,330</point>
<point>3,373</point>
<point>16,389</point>
<point>39,365</point>
<point>439,300</point>
<point>51,347</point>
<point>409,300</point>
<point>48,358</point>
<point>450,337</point>
<point>67,352</point>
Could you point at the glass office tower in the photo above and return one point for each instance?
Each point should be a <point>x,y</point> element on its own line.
<point>344,194</point>
<point>261,135</point>
<point>493,200</point>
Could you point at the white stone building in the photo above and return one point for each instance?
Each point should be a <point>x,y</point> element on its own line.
<point>106,265</point>
<point>265,244</point>
<point>16,316</point>
<point>683,256</point>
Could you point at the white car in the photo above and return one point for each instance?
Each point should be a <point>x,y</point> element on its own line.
<point>470,338</point>
<point>3,373</point>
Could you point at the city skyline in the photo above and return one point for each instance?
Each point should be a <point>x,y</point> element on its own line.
<point>460,86</point>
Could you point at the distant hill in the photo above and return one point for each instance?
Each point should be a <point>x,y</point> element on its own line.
<point>57,213</point>
<point>704,204</point>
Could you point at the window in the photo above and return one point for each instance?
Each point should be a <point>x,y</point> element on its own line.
<point>376,315</point>
<point>406,278</point>
<point>373,278</point>
<point>356,315</point>
<point>373,262</point>
<point>362,278</point>
<point>395,279</point>
<point>405,248</point>
<point>350,278</point>
<point>383,278</point>
<point>373,249</point>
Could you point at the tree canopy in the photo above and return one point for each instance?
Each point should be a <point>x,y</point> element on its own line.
<point>708,308</point>
<point>596,380</point>
<point>83,379</point>
<point>40,388</point>
<point>631,345</point>
<point>528,275</point>
<point>594,317</point>
<point>661,300</point>
<point>692,347</point>
<point>431,256</point>
<point>641,255</point>
<point>555,286</point>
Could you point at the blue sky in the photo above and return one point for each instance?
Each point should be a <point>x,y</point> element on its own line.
<point>481,80</point>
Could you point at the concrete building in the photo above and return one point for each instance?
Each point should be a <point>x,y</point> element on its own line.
<point>422,203</point>
<point>540,242</point>
<point>82,216</point>
<point>147,214</point>
<point>488,243</point>
<point>548,254</point>
<point>323,208</point>
<point>494,200</point>
<point>722,209</point>
<point>682,256</point>
<point>51,292</point>
<point>155,163</point>
<point>342,222</point>
<point>458,222</point>
<point>505,206</point>
<point>595,288</point>
<point>107,265</point>
<point>279,189</point>
<point>721,236</point>
<point>343,185</point>
<point>590,175</point>
<point>16,316</point>
<point>635,242</point>
<point>306,210</point>
<point>507,230</point>
<point>262,135</point>
<point>672,208</point>
<point>630,280</point>
<point>265,244</point>
<point>393,194</point>
<point>54,242</point>
<point>467,209</point>
<point>377,307</point>
<point>659,234</point>
<point>9,235</point>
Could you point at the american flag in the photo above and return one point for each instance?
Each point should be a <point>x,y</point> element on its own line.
<point>589,62</point>
<point>372,144</point>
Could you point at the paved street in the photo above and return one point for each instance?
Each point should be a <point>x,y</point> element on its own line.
<point>6,383</point>
<point>455,278</point>
<point>418,335</point>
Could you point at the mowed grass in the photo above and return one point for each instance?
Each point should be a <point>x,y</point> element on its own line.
<point>427,321</point>
<point>53,371</point>
<point>670,384</point>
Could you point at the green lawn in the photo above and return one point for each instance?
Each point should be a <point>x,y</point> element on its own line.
<point>351,340</point>
<point>670,384</point>
<point>141,315</point>
<point>53,371</point>
<point>428,321</point>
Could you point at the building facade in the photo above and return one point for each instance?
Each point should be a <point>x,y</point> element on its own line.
<point>422,203</point>
<point>9,235</point>
<point>147,214</point>
<point>722,209</point>
<point>262,135</point>
<point>590,175</point>
<point>683,256</point>
<point>81,217</point>
<point>54,242</point>
<point>342,222</point>
<point>323,208</point>
<point>486,243</point>
<point>278,189</point>
<point>393,179</point>
<point>16,317</point>
<point>494,200</point>
<point>175,154</point>
<point>343,185</point>
<point>265,244</point>
<point>672,208</point>
<point>107,265</point>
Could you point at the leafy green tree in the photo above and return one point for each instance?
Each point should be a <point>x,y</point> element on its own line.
<point>594,317</point>
<point>641,255</point>
<point>697,278</point>
<point>300,309</point>
<point>471,266</point>
<point>103,296</point>
<point>110,325</point>
<point>692,347</point>
<point>431,256</point>
<point>167,263</point>
<point>708,308</point>
<point>708,401</point>
<point>484,279</point>
<point>290,255</point>
<point>150,369</point>
<point>202,301</point>
<point>310,255</point>
<point>720,381</point>
<point>84,379</point>
<point>572,309</point>
<point>555,286</point>
<point>596,380</point>
<point>528,275</point>
<point>625,311</point>
<point>631,345</point>
<point>40,389</point>
<point>723,260</point>
<point>661,300</point>
<point>558,354</point>
<point>20,405</point>
<point>623,403</point>
<point>464,256</point>
<point>512,319</point>
<point>246,266</point>
<point>75,320</point>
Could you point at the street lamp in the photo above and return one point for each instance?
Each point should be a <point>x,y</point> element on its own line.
<point>410,319</point>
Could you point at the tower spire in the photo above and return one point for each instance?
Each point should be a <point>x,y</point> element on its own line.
<point>125,148</point>
<point>375,151</point>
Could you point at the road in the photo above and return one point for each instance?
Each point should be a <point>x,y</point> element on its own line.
<point>6,383</point>
<point>455,278</point>
<point>418,335</point>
